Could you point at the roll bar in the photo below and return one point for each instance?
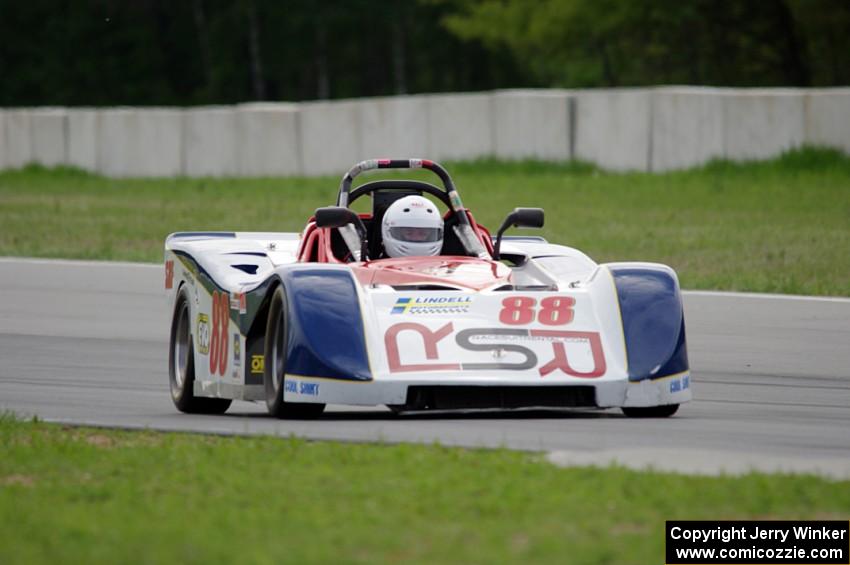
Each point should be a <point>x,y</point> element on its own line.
<point>372,164</point>
<point>454,198</point>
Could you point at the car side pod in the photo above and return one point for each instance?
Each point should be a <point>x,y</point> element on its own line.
<point>654,331</point>
<point>326,338</point>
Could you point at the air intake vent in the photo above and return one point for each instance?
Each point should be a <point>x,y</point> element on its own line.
<point>250,269</point>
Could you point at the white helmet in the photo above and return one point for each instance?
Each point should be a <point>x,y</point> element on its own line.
<point>412,226</point>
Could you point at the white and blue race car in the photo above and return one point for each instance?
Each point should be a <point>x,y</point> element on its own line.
<point>304,320</point>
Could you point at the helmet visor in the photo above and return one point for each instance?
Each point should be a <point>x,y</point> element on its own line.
<point>417,235</point>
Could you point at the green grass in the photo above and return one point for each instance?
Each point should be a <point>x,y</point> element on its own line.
<point>777,226</point>
<point>76,495</point>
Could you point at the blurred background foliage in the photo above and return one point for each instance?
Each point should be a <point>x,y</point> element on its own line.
<point>186,52</point>
<point>590,43</point>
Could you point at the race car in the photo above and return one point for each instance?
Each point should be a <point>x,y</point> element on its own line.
<point>328,316</point>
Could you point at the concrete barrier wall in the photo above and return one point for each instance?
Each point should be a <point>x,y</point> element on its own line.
<point>140,142</point>
<point>396,127</point>
<point>650,129</point>
<point>532,124</point>
<point>48,136</point>
<point>759,124</point>
<point>82,136</point>
<point>460,126</point>
<point>267,139</point>
<point>18,138</point>
<point>2,139</point>
<point>330,137</point>
<point>613,128</point>
<point>209,146</point>
<point>686,128</point>
<point>827,118</point>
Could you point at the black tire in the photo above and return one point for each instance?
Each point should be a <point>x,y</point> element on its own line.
<point>181,364</point>
<point>275,364</point>
<point>663,411</point>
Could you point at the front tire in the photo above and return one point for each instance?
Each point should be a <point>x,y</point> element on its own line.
<point>663,411</point>
<point>181,364</point>
<point>277,329</point>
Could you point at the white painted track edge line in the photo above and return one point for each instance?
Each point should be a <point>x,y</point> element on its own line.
<point>712,293</point>
<point>78,262</point>
<point>763,295</point>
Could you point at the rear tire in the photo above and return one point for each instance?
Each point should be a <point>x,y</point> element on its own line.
<point>181,364</point>
<point>275,363</point>
<point>663,411</point>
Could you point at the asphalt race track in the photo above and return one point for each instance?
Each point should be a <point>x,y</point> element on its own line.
<point>86,342</point>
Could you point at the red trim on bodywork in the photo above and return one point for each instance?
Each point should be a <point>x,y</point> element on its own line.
<point>169,274</point>
<point>313,235</point>
<point>318,240</point>
<point>482,233</point>
<point>462,272</point>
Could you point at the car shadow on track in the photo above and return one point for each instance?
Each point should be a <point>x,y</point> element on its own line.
<point>445,415</point>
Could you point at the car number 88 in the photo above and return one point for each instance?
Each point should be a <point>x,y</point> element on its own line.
<point>553,311</point>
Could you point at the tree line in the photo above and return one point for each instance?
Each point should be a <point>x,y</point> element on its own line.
<point>188,52</point>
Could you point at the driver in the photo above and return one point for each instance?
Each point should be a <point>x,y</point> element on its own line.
<point>412,226</point>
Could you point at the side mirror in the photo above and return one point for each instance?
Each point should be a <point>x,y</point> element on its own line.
<point>335,217</point>
<point>519,218</point>
<point>339,216</point>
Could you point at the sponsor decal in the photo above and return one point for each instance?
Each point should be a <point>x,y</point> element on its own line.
<point>497,341</point>
<point>203,333</point>
<point>169,274</point>
<point>300,387</point>
<point>238,302</point>
<point>678,385</point>
<point>237,351</point>
<point>251,349</point>
<point>258,364</point>
<point>432,305</point>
